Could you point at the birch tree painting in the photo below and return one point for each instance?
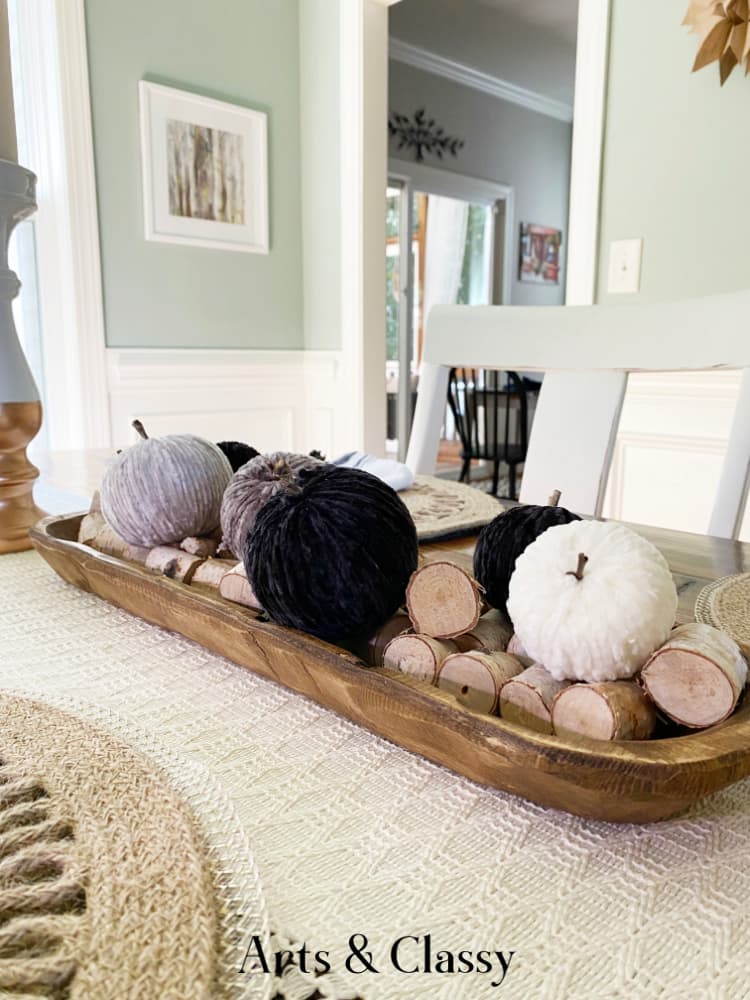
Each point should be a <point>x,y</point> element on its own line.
<point>206,173</point>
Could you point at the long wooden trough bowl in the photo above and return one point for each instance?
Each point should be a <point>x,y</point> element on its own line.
<point>636,782</point>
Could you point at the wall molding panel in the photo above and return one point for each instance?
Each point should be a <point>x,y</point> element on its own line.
<point>274,400</point>
<point>670,447</point>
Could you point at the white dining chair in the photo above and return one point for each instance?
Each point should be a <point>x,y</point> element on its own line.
<point>587,353</point>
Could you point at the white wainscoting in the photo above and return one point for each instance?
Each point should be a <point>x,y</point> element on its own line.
<point>670,447</point>
<point>273,400</point>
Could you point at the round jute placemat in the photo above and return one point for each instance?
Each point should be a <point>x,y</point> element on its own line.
<point>441,508</point>
<point>108,886</point>
<point>725,603</point>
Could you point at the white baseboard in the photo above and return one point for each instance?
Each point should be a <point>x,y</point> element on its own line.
<point>670,446</point>
<point>273,400</point>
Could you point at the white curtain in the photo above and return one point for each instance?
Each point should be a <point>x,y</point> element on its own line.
<point>447,219</point>
<point>445,243</point>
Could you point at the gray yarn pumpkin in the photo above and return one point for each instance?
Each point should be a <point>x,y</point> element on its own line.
<point>162,490</point>
<point>252,486</point>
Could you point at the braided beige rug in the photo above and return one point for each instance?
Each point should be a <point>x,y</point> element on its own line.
<point>108,886</point>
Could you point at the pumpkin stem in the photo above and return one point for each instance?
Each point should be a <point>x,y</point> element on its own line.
<point>140,428</point>
<point>286,476</point>
<point>578,572</point>
<point>554,500</point>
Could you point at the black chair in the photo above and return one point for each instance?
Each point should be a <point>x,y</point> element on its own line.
<point>480,401</point>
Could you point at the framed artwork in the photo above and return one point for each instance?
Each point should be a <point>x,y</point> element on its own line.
<point>205,171</point>
<point>539,257</point>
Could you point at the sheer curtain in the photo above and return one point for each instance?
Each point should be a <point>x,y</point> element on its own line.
<point>445,245</point>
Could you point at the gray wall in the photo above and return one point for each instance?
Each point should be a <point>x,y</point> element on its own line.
<point>503,143</point>
<point>162,295</point>
<point>676,152</point>
<point>540,57</point>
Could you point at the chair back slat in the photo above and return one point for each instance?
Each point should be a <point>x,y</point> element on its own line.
<point>586,353</point>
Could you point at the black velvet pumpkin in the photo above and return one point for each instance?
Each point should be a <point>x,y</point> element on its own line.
<point>332,553</point>
<point>503,540</point>
<point>237,453</point>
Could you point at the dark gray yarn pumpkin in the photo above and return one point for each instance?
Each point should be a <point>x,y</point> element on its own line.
<point>331,553</point>
<point>252,485</point>
<point>503,540</point>
<point>237,453</point>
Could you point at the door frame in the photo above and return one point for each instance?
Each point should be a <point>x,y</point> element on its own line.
<point>411,177</point>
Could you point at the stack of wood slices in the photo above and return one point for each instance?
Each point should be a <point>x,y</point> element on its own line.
<point>582,639</point>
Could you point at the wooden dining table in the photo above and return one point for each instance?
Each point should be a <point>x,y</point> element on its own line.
<point>356,836</point>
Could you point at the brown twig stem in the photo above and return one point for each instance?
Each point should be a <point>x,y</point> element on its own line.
<point>578,571</point>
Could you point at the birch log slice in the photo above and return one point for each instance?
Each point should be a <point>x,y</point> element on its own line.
<point>697,676</point>
<point>173,562</point>
<point>374,653</point>
<point>516,648</point>
<point>418,655</point>
<point>235,586</point>
<point>608,710</point>
<point>443,600</point>
<point>527,699</point>
<point>491,633</point>
<point>211,572</point>
<point>476,679</point>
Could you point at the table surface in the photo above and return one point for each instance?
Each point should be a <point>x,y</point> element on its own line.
<point>353,835</point>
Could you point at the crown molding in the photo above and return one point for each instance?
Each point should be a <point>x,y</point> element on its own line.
<point>430,62</point>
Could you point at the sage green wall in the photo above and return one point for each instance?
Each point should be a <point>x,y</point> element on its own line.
<point>676,151</point>
<point>163,295</point>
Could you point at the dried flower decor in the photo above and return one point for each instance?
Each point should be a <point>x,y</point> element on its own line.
<point>722,26</point>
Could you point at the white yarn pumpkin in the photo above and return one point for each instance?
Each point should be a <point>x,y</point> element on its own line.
<point>603,626</point>
<point>162,490</point>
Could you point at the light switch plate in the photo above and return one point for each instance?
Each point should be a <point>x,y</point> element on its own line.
<point>624,266</point>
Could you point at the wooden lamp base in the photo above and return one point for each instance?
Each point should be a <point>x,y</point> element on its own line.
<point>19,423</point>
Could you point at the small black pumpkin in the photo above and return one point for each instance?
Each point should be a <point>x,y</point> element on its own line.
<point>503,540</point>
<point>237,453</point>
<point>331,553</point>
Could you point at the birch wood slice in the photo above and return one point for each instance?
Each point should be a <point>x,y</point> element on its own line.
<point>374,653</point>
<point>173,562</point>
<point>418,655</point>
<point>211,572</point>
<point>235,586</point>
<point>491,633</point>
<point>516,648</point>
<point>527,699</point>
<point>476,679</point>
<point>606,710</point>
<point>443,600</point>
<point>697,676</point>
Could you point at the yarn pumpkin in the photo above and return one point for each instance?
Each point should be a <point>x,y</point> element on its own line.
<point>250,488</point>
<point>503,540</point>
<point>332,553</point>
<point>237,453</point>
<point>591,601</point>
<point>162,490</point>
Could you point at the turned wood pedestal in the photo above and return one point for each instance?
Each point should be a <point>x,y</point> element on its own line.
<point>19,422</point>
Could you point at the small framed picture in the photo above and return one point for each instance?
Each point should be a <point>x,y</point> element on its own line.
<point>539,254</point>
<point>205,171</point>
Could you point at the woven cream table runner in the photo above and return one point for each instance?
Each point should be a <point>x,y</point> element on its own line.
<point>353,835</point>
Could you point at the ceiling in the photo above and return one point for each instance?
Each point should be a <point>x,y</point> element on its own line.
<point>559,17</point>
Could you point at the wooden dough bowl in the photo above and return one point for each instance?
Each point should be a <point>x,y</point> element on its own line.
<point>636,782</point>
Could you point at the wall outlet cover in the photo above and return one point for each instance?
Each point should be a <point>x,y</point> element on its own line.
<point>624,275</point>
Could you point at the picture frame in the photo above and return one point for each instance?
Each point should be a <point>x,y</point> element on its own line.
<point>539,254</point>
<point>205,171</point>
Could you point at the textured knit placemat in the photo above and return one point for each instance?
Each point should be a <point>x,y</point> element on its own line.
<point>725,603</point>
<point>443,509</point>
<point>353,835</point>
